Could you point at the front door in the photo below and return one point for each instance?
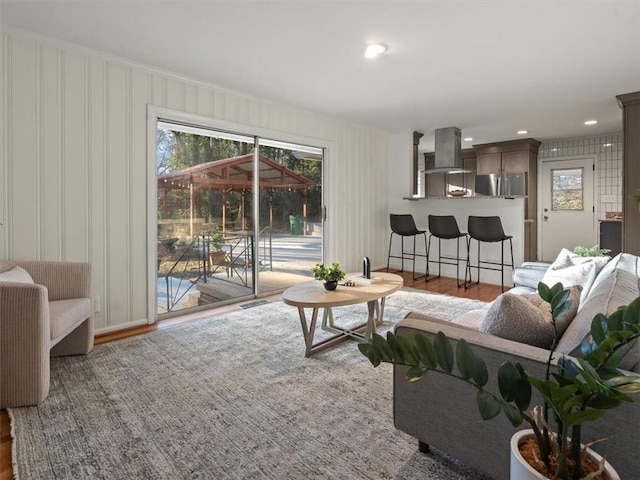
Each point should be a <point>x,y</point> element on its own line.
<point>568,213</point>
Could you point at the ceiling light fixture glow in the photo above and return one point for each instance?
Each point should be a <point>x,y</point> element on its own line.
<point>468,139</point>
<point>606,145</point>
<point>374,50</point>
<point>522,132</point>
<point>591,122</point>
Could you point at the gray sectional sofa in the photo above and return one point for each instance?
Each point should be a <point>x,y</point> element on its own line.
<point>441,412</point>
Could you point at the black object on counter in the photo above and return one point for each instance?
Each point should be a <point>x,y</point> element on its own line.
<point>366,267</point>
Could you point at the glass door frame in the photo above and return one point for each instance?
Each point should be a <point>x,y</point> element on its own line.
<point>156,114</point>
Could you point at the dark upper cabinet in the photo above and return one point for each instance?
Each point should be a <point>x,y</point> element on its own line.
<point>488,163</point>
<point>504,162</point>
<point>630,104</point>
<point>513,162</point>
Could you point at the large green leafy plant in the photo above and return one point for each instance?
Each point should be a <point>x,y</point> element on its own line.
<point>574,391</point>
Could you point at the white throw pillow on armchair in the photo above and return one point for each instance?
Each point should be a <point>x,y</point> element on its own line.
<point>16,275</point>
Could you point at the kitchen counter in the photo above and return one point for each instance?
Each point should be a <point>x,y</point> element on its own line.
<point>511,214</point>
<point>468,197</point>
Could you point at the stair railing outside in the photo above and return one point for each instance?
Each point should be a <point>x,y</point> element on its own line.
<point>264,236</point>
<point>198,251</point>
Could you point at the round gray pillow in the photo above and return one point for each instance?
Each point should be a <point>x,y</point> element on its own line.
<point>527,318</point>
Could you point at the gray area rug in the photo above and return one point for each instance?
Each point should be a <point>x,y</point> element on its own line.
<point>231,397</point>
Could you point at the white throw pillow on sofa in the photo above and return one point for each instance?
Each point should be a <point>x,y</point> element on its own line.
<point>572,269</point>
<point>619,288</point>
<point>16,275</point>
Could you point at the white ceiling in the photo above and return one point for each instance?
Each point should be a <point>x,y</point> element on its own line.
<point>490,68</point>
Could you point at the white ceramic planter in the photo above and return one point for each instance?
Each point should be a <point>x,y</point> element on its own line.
<point>521,470</point>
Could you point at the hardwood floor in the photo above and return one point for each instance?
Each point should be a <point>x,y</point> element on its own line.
<point>6,472</point>
<point>447,286</point>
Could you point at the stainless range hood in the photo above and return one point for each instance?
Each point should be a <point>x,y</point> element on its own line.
<point>447,146</point>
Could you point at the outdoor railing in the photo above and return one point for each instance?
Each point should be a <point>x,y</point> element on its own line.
<point>195,262</point>
<point>191,259</point>
<point>264,236</point>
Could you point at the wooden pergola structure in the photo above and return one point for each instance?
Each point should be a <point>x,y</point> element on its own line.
<point>236,174</point>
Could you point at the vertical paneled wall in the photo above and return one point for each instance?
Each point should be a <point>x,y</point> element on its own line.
<point>74,160</point>
<point>607,150</point>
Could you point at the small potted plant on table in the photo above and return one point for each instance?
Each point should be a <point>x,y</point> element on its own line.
<point>330,275</point>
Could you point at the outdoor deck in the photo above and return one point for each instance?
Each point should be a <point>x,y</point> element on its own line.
<point>288,262</point>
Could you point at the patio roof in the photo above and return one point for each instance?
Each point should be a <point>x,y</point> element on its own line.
<point>234,173</point>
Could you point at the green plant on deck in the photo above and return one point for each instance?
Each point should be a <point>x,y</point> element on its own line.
<point>332,273</point>
<point>577,392</point>
<point>216,239</point>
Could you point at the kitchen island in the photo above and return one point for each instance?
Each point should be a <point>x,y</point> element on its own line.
<point>510,211</point>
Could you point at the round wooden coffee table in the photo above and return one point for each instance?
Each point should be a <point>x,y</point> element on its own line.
<point>313,295</point>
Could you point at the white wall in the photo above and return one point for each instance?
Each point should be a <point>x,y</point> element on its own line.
<point>73,164</point>
<point>400,166</point>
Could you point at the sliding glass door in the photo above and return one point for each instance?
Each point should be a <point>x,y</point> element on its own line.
<point>211,186</point>
<point>290,213</point>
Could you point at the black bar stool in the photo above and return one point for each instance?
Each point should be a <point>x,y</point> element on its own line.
<point>445,227</point>
<point>487,229</point>
<point>405,226</point>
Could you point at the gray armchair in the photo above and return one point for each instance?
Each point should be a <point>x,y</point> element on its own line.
<point>50,317</point>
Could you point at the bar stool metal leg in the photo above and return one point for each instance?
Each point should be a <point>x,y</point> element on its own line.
<point>488,229</point>
<point>389,254</point>
<point>426,248</point>
<point>502,264</point>
<point>470,282</point>
<point>404,226</point>
<point>445,227</point>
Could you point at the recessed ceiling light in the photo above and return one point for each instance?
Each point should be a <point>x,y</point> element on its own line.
<point>374,50</point>
<point>522,132</point>
<point>555,149</point>
<point>591,122</point>
<point>606,145</point>
<point>468,139</point>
